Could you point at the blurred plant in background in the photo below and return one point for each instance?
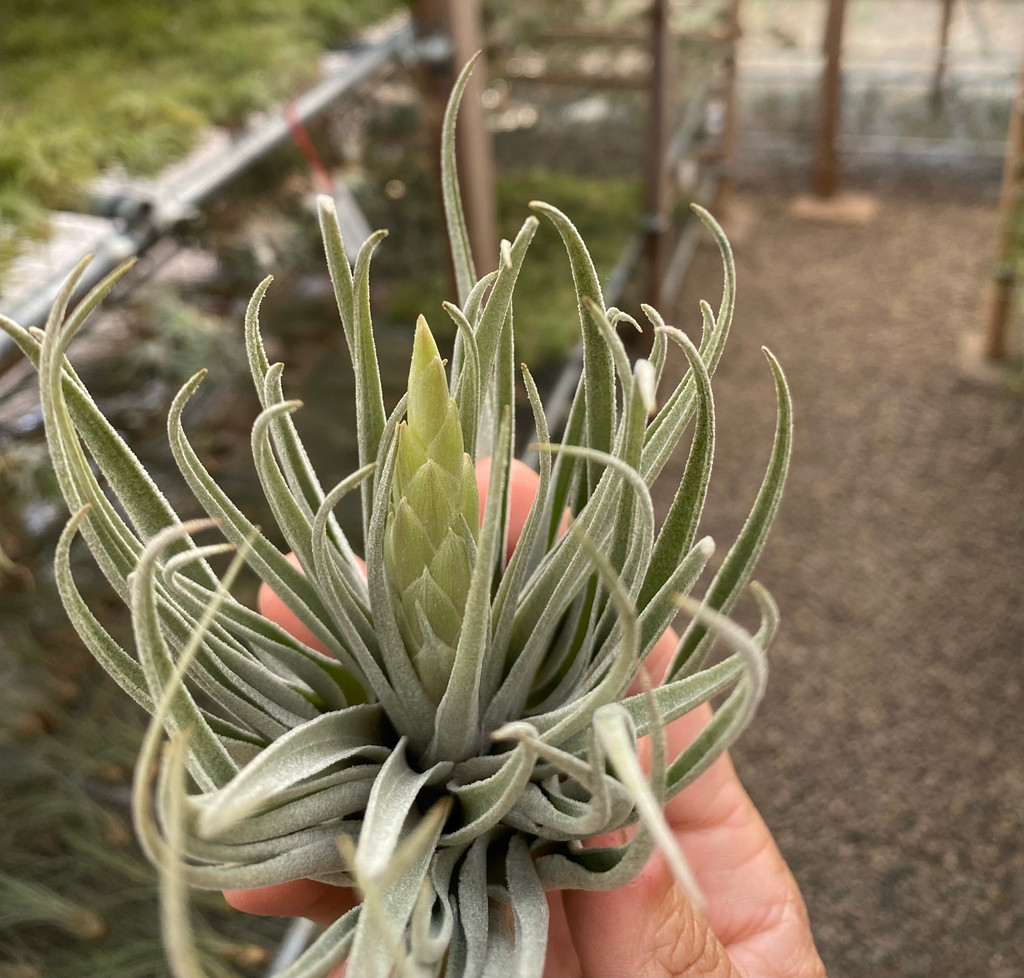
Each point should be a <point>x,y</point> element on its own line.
<point>90,85</point>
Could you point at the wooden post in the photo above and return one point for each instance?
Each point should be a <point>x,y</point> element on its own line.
<point>727,139</point>
<point>942,58</point>
<point>460,22</point>
<point>657,195</point>
<point>996,347</point>
<point>826,167</point>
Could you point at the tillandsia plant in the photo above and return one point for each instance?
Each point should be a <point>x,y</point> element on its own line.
<point>469,713</point>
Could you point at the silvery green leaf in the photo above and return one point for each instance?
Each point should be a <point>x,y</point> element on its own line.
<point>289,515</point>
<point>615,730</point>
<point>597,389</point>
<point>474,304</point>
<point>370,416</point>
<point>605,868</point>
<point>295,756</point>
<point>391,803</point>
<point>482,804</point>
<point>659,350</point>
<point>330,948</point>
<point>559,724</point>
<point>472,919</point>
<point>666,429</point>
<point>182,955</point>
<point>433,929</point>
<point>458,236</point>
<point>212,761</point>
<point>167,686</point>
<point>509,589</point>
<point>274,647</point>
<point>500,954</point>
<point>465,385</point>
<point>495,311</point>
<point>298,470</point>
<point>288,584</point>
<point>145,505</point>
<point>680,525</point>
<point>660,610</point>
<point>331,795</point>
<point>739,562</point>
<point>125,669</point>
<point>731,718</point>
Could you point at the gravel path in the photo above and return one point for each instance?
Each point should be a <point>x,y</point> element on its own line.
<point>888,756</point>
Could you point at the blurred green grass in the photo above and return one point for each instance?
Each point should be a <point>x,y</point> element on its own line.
<point>89,85</point>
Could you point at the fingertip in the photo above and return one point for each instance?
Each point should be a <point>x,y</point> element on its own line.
<point>274,609</point>
<point>319,902</point>
<point>646,927</point>
<point>522,489</point>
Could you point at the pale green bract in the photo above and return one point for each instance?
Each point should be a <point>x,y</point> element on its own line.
<point>431,532</point>
<point>471,719</point>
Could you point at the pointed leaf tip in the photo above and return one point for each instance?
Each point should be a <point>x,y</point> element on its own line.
<point>424,345</point>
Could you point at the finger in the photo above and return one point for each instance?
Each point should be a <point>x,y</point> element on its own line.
<point>753,902</point>
<point>754,905</point>
<point>320,902</point>
<point>272,607</point>
<point>755,923</point>
<point>646,929</point>
<point>561,960</point>
<point>522,490</point>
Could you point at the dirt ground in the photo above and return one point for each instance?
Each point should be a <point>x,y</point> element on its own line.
<point>888,756</point>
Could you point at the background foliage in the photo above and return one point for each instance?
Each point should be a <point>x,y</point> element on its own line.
<point>87,85</point>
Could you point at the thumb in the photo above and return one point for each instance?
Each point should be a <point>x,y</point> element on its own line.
<point>522,488</point>
<point>646,929</point>
<point>523,483</point>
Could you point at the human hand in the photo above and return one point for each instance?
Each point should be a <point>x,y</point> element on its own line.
<point>754,924</point>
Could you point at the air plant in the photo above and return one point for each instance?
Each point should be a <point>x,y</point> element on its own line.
<point>468,721</point>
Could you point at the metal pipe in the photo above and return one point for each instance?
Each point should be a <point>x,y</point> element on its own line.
<point>689,128</point>
<point>297,938</point>
<point>193,189</point>
<point>690,234</point>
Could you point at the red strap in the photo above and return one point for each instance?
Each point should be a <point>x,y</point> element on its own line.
<point>321,176</point>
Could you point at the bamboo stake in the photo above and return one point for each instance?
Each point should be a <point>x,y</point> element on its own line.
<point>727,139</point>
<point>942,58</point>
<point>658,191</point>
<point>996,345</point>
